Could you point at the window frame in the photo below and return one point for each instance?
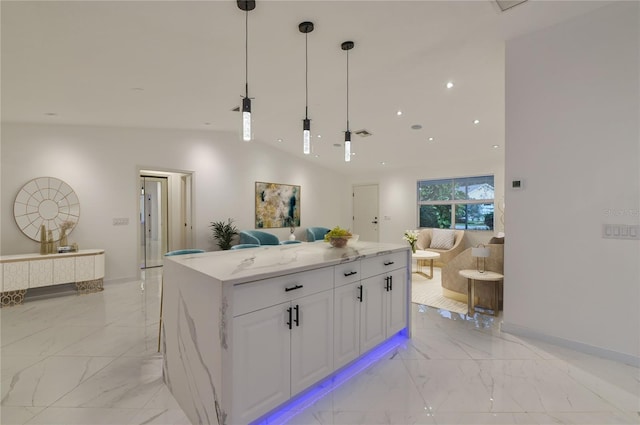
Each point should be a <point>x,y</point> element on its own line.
<point>453,202</point>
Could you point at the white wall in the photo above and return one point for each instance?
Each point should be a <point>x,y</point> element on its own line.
<point>398,192</point>
<point>101,164</point>
<point>572,137</point>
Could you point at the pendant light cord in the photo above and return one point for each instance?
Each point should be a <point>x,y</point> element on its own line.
<point>347,90</point>
<point>246,53</point>
<point>306,75</point>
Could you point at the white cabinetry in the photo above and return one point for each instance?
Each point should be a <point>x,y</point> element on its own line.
<point>284,348</point>
<point>371,310</point>
<point>246,331</point>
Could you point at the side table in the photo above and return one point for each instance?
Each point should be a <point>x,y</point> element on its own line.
<point>487,276</point>
<point>422,257</point>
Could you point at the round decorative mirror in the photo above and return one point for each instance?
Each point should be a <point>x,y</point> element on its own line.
<point>46,201</point>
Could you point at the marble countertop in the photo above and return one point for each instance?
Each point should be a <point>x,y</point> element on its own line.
<point>37,256</point>
<point>246,265</point>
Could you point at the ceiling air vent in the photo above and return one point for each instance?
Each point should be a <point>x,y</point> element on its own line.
<point>508,4</point>
<point>363,133</point>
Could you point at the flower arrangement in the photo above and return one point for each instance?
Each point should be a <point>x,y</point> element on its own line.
<point>337,237</point>
<point>411,236</point>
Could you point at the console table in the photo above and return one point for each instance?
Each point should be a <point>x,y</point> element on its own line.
<point>21,272</point>
<point>486,276</point>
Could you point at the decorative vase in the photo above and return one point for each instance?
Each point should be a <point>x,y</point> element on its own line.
<point>43,240</point>
<point>292,237</point>
<point>63,237</point>
<point>413,247</point>
<point>50,244</point>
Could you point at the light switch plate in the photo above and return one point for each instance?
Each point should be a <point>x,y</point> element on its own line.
<point>621,231</point>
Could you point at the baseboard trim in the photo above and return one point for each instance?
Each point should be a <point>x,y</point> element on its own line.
<point>567,343</point>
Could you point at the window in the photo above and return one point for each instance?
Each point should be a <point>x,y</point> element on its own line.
<point>459,203</point>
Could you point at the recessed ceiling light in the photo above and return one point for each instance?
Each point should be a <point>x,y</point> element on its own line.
<point>416,127</point>
<point>431,139</point>
<point>449,85</point>
<point>207,123</point>
<point>399,113</point>
<point>51,114</point>
<point>319,136</point>
<point>137,89</point>
<point>317,156</point>
<point>495,146</point>
<point>279,140</point>
<point>476,121</point>
<point>383,163</point>
<point>337,145</point>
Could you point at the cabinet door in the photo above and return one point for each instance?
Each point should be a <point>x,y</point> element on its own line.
<point>261,364</point>
<point>397,302</point>
<point>15,276</point>
<point>372,312</point>
<point>40,273</point>
<point>311,340</point>
<point>346,341</point>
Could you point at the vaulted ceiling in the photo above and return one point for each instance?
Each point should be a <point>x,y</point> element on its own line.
<point>181,65</point>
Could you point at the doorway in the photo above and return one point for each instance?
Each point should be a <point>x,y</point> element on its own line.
<point>165,210</point>
<point>154,207</point>
<point>365,212</point>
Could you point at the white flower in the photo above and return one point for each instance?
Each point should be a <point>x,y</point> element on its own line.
<point>410,236</point>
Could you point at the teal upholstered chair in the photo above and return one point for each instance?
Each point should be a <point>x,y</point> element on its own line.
<point>257,237</point>
<point>316,233</point>
<point>245,246</point>
<point>170,254</point>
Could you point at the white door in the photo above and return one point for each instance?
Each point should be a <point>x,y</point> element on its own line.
<point>154,216</point>
<point>346,336</point>
<point>311,340</point>
<point>365,212</point>
<point>261,364</point>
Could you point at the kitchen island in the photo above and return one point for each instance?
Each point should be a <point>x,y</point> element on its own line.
<point>244,331</point>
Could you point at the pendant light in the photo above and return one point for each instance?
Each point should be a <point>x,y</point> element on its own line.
<point>346,46</point>
<point>246,5</point>
<point>306,28</point>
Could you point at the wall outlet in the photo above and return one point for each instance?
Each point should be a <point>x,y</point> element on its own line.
<point>120,221</point>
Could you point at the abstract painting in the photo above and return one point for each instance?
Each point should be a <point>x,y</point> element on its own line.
<point>277,205</point>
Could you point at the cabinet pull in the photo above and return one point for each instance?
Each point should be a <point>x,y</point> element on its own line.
<point>391,283</point>
<point>293,288</point>
<point>297,315</point>
<point>289,322</point>
<point>386,286</point>
<point>388,263</point>
<point>350,274</point>
<point>360,293</point>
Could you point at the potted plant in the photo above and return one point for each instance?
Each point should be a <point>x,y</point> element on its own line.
<point>223,232</point>
<point>338,237</point>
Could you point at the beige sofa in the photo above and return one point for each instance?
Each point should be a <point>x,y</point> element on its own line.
<point>424,241</point>
<point>454,286</point>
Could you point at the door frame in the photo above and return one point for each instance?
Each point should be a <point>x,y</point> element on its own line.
<point>185,223</point>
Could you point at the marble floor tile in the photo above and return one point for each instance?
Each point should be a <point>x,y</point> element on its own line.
<point>92,359</point>
<point>48,380</point>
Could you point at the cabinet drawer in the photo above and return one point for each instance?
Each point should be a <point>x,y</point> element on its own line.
<point>253,296</point>
<point>346,273</point>
<point>383,263</point>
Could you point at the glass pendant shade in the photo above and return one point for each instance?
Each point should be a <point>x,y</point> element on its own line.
<point>347,146</point>
<point>246,119</point>
<point>306,136</point>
